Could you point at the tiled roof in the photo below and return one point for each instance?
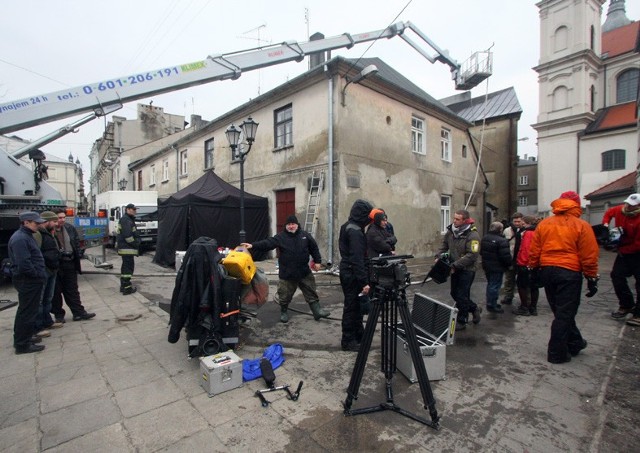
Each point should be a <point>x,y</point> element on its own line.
<point>613,117</point>
<point>500,103</point>
<point>625,184</point>
<point>621,40</point>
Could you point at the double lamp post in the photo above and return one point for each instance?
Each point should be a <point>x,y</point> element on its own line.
<point>248,129</point>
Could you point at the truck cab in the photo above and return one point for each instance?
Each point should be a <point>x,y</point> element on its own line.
<point>146,223</point>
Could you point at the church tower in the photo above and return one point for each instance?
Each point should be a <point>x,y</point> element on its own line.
<point>570,48</point>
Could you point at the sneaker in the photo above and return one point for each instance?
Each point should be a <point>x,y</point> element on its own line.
<point>56,325</point>
<point>577,351</point>
<point>507,301</point>
<point>60,320</point>
<point>635,321</point>
<point>460,326</point>
<point>352,346</point>
<point>521,311</point>
<point>496,309</point>
<point>559,360</point>
<point>476,315</point>
<point>43,334</point>
<point>621,313</point>
<point>35,339</point>
<point>30,349</point>
<point>83,316</point>
<point>533,311</point>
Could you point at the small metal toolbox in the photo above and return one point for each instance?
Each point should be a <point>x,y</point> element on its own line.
<point>220,372</point>
<point>434,324</point>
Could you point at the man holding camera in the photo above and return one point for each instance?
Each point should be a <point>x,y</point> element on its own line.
<point>67,280</point>
<point>462,243</point>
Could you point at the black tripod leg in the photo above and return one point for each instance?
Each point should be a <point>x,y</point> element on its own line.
<point>363,353</point>
<point>418,363</point>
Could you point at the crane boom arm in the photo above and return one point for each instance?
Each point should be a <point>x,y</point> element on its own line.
<point>36,110</point>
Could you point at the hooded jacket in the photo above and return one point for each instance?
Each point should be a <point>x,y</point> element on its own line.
<point>353,242</point>
<point>294,249</point>
<point>379,241</point>
<point>565,240</point>
<point>494,249</point>
<point>630,223</point>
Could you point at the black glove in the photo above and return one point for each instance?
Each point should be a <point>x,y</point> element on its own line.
<point>592,285</point>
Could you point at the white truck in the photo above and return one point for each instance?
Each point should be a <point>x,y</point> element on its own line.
<point>112,204</point>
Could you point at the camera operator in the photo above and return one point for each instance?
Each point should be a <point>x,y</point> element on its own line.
<point>462,243</point>
<point>379,240</point>
<point>354,277</point>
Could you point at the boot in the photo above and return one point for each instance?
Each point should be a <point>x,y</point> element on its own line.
<point>284,316</point>
<point>318,311</point>
<point>127,287</point>
<point>123,283</point>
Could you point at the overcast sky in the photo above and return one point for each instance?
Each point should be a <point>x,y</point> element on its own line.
<point>48,46</point>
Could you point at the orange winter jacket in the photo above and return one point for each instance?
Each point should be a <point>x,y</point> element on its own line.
<point>565,240</point>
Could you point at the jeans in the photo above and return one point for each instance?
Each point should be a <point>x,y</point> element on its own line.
<point>461,282</point>
<point>44,311</point>
<point>494,282</point>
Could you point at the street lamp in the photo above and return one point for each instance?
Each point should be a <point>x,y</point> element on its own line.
<point>366,72</point>
<point>122,184</point>
<point>249,128</point>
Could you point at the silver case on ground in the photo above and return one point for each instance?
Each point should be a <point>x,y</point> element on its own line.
<point>220,372</point>
<point>434,324</point>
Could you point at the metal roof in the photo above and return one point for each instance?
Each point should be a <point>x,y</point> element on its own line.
<point>499,103</point>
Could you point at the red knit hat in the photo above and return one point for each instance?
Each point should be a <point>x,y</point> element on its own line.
<point>571,195</point>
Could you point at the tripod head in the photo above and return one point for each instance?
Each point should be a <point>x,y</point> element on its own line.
<point>390,271</point>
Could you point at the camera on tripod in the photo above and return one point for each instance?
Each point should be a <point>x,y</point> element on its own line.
<point>389,271</point>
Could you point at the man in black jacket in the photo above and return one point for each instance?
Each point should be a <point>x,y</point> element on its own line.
<point>28,275</point>
<point>496,258</point>
<point>128,240</point>
<point>295,246</point>
<point>45,238</point>
<point>354,275</point>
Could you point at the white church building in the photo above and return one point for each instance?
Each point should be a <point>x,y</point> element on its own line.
<point>587,121</point>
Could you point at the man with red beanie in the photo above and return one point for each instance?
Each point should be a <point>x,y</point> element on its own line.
<point>627,263</point>
<point>564,247</point>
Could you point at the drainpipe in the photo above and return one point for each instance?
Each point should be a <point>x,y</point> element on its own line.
<point>330,170</point>
<point>177,167</point>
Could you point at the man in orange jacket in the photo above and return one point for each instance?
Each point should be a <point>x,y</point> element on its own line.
<point>564,248</point>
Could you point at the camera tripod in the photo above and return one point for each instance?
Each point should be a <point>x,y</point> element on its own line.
<point>388,302</point>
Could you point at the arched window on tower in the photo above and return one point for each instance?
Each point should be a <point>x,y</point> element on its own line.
<point>627,85</point>
<point>592,98</point>
<point>560,39</point>
<point>560,98</point>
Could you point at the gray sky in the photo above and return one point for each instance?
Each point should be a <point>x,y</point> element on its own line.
<point>47,46</point>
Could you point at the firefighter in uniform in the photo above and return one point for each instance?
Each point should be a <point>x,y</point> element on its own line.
<point>128,241</point>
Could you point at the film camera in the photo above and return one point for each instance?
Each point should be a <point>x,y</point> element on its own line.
<point>389,271</point>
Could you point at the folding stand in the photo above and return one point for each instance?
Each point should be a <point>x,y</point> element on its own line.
<point>393,300</point>
<point>270,378</point>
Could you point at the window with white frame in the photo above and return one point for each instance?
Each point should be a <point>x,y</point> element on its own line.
<point>152,175</point>
<point>445,144</point>
<point>183,163</point>
<point>523,200</point>
<point>445,212</point>
<point>165,170</point>
<point>283,127</point>
<point>418,142</point>
<point>208,153</point>
<point>523,180</point>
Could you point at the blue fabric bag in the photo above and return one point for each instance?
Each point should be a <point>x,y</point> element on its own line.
<point>251,368</point>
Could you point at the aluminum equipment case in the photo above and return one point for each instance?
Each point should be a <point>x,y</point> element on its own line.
<point>434,323</point>
<point>220,372</point>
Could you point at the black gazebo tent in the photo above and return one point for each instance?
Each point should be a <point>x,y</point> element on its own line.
<point>207,207</point>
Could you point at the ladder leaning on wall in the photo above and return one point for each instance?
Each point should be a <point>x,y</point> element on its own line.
<point>311,218</point>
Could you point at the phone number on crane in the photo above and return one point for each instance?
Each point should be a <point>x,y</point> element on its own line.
<point>141,78</point>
